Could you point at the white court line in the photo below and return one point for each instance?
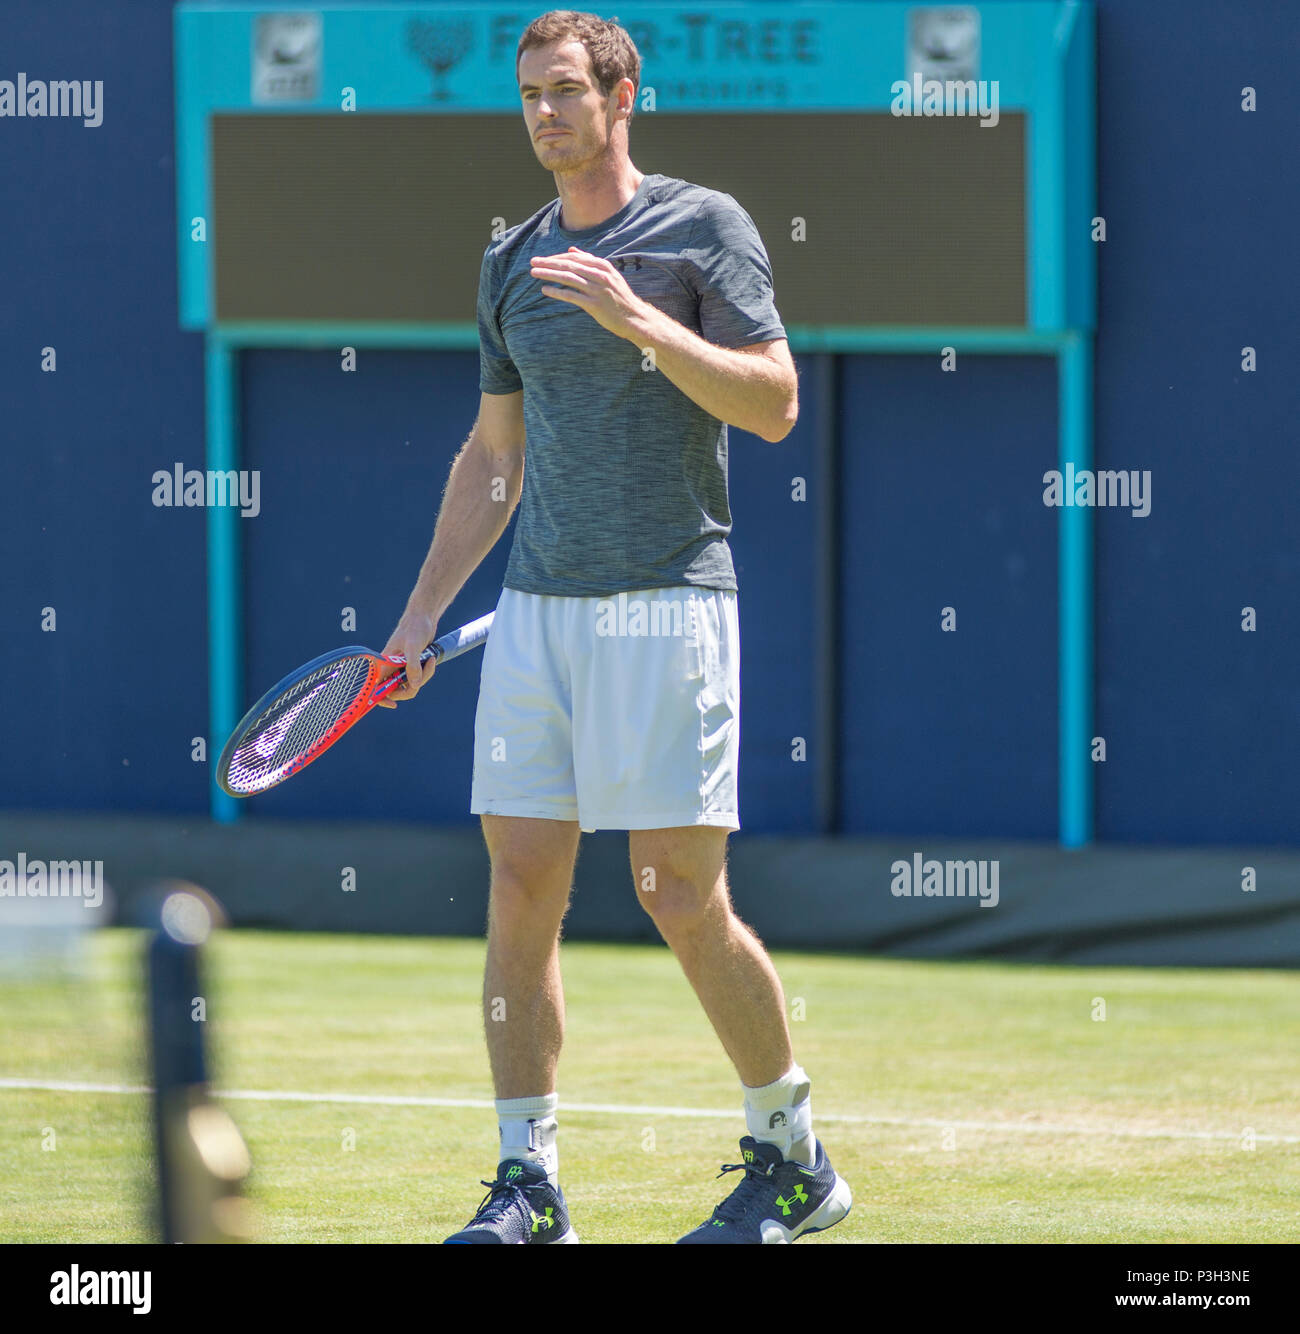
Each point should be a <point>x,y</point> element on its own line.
<point>628,1109</point>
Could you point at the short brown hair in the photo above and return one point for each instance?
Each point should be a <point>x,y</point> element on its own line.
<point>613,53</point>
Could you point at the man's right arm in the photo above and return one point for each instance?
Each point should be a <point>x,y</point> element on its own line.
<point>481,494</point>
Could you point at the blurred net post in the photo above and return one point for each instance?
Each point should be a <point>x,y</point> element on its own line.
<point>202,1161</point>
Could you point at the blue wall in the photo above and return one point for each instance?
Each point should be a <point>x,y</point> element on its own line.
<point>936,489</point>
<point>1203,721</point>
<point>949,731</point>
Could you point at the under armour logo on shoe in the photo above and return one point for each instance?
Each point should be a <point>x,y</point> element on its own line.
<point>776,1119</point>
<point>800,1197</point>
<point>540,1223</point>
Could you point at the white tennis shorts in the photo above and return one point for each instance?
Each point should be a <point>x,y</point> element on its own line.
<point>620,712</point>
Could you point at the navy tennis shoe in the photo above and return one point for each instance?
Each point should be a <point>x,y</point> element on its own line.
<point>776,1201</point>
<point>521,1208</point>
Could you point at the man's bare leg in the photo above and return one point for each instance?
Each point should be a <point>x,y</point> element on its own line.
<point>523,998</point>
<point>681,882</point>
<point>523,1016</point>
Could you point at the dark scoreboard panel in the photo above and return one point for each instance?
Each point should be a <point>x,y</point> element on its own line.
<point>914,221</point>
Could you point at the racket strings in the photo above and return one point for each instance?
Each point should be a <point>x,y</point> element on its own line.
<point>295,723</point>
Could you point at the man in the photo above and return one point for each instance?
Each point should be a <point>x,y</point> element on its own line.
<point>621,327</point>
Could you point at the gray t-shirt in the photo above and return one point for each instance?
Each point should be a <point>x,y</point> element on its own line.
<point>625,478</point>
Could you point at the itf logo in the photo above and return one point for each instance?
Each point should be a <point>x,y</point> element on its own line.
<point>286,58</point>
<point>943,65</point>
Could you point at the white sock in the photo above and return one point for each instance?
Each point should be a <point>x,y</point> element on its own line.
<point>528,1130</point>
<point>780,1113</point>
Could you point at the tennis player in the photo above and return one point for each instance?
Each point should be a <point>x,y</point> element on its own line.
<point>622,328</point>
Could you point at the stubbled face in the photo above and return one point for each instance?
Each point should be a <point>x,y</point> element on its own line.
<point>560,93</point>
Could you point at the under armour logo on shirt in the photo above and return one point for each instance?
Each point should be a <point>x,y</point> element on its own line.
<point>622,264</point>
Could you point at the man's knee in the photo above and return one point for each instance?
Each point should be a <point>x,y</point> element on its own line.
<point>679,877</point>
<point>532,862</point>
<point>679,905</point>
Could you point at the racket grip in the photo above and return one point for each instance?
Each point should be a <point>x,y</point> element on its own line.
<point>459,641</point>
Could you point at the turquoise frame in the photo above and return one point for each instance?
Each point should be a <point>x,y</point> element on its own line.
<point>1043,52</point>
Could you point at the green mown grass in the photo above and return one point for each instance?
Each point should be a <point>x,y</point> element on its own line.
<point>954,1063</point>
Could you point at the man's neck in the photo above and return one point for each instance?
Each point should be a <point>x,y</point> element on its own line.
<point>589,200</point>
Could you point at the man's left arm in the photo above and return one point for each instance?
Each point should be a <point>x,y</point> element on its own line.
<point>754,388</point>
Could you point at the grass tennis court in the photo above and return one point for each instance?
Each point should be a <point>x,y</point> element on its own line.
<point>988,1103</point>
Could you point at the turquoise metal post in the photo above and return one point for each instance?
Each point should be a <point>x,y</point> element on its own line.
<point>225,614</point>
<point>1063,293</point>
<point>1074,428</point>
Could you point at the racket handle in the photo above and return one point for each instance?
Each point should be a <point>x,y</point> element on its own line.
<point>450,646</point>
<point>459,641</point>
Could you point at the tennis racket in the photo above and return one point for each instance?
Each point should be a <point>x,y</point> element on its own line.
<point>301,717</point>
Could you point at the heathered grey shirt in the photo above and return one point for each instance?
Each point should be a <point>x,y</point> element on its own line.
<point>625,478</point>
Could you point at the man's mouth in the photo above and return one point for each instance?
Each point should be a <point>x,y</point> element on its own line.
<point>546,133</point>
